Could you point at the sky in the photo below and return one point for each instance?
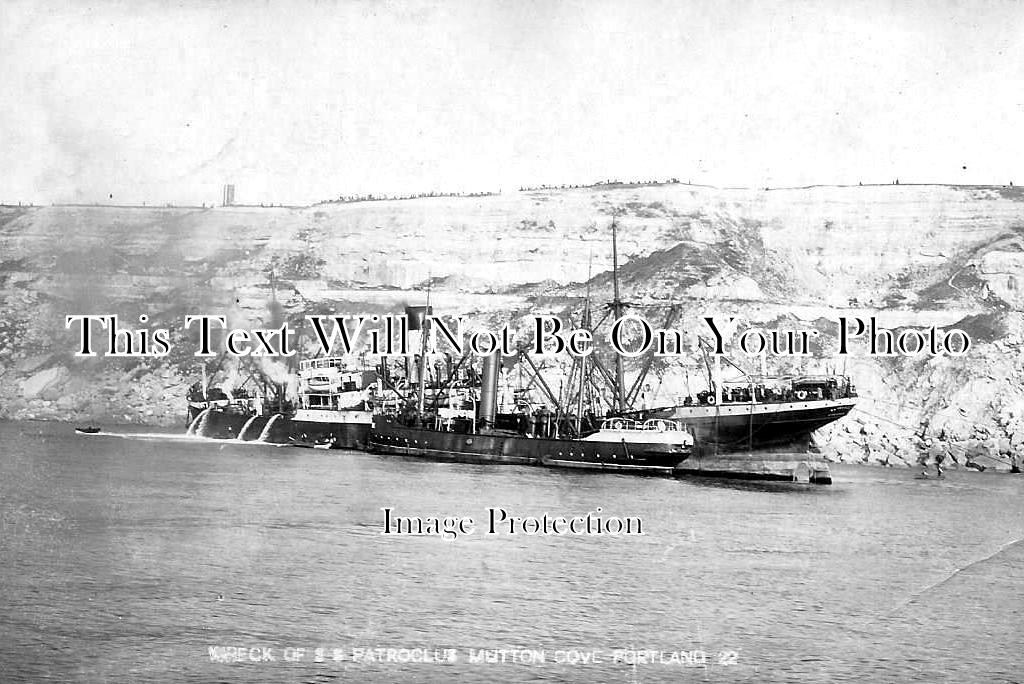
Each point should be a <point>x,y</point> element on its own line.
<point>297,102</point>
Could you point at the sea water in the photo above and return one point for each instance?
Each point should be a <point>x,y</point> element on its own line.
<point>144,557</point>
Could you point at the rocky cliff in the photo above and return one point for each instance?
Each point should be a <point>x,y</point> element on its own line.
<point>913,256</point>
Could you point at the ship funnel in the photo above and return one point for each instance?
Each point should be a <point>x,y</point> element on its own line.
<point>488,406</point>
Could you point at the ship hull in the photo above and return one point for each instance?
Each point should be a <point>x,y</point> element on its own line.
<point>218,423</point>
<point>783,427</point>
<point>761,442</point>
<point>342,429</point>
<point>391,438</point>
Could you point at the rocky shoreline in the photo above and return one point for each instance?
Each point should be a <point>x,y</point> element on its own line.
<point>154,396</point>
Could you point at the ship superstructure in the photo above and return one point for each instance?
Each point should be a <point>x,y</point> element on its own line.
<point>334,403</point>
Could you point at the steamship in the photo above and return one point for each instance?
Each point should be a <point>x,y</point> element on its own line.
<point>470,430</point>
<point>759,428</point>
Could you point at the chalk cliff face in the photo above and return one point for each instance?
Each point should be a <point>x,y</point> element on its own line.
<point>913,256</point>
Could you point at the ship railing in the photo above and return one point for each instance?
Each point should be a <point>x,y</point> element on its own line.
<point>620,424</point>
<point>661,425</point>
<point>742,396</point>
<point>326,362</point>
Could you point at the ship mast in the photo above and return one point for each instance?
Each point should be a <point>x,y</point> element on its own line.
<point>586,325</point>
<point>617,307</point>
<point>422,391</point>
<point>273,306</point>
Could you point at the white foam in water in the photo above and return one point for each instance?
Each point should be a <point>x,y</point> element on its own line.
<point>266,428</point>
<point>191,430</point>
<point>241,434</point>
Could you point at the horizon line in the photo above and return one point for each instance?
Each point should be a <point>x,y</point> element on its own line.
<point>358,199</point>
